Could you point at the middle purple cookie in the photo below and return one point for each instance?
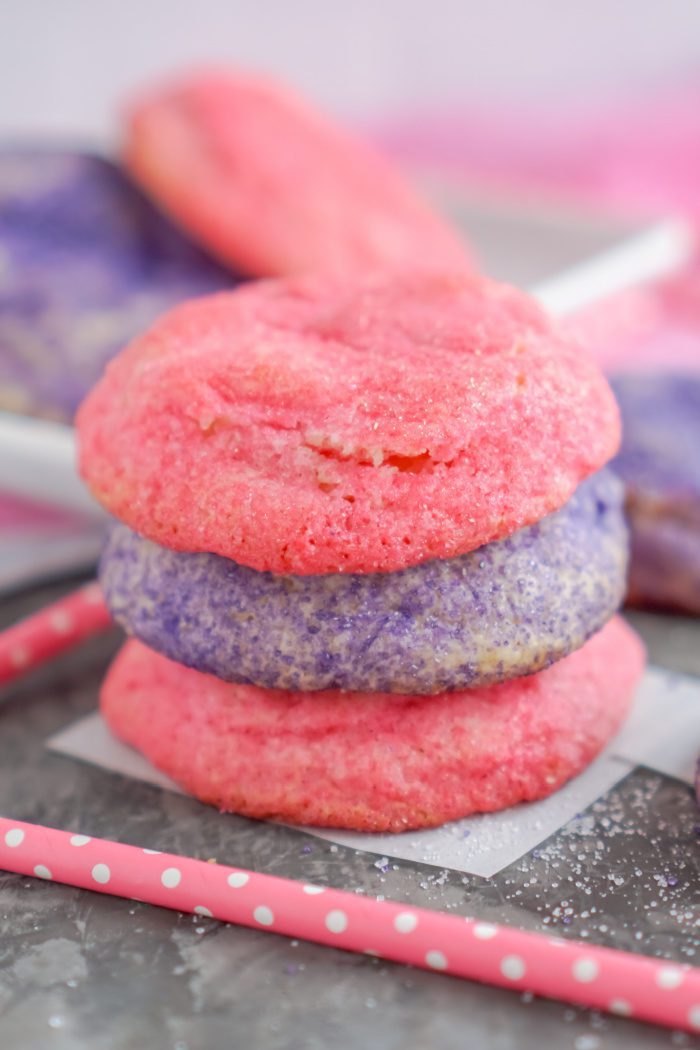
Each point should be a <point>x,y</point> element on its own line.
<point>507,609</point>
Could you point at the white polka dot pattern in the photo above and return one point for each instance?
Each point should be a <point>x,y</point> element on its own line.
<point>669,977</point>
<point>513,967</point>
<point>61,621</point>
<point>585,970</point>
<point>620,1007</point>
<point>624,984</point>
<point>484,930</point>
<point>405,922</point>
<point>80,840</point>
<point>20,657</point>
<point>336,921</point>
<point>263,915</point>
<point>51,631</point>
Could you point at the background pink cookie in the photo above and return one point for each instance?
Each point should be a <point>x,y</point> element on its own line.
<point>273,187</point>
<point>310,426</point>
<point>372,761</point>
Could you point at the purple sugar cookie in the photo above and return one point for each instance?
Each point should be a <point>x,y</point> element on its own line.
<point>660,466</point>
<point>506,609</point>
<point>86,263</point>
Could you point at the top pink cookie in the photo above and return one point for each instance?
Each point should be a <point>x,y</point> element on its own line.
<point>272,187</point>
<point>303,425</point>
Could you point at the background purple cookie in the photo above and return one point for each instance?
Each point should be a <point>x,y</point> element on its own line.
<point>86,263</point>
<point>660,465</point>
<point>507,609</point>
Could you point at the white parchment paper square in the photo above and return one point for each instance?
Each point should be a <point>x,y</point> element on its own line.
<point>662,732</point>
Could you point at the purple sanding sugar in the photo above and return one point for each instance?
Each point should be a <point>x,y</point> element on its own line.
<point>660,466</point>
<point>86,263</point>
<point>505,610</point>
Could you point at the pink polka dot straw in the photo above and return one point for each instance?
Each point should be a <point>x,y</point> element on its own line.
<point>618,982</point>
<point>53,630</point>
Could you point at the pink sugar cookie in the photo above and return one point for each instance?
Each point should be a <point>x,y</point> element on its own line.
<point>307,426</point>
<point>373,761</point>
<point>272,187</point>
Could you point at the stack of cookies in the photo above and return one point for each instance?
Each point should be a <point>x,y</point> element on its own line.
<point>368,552</point>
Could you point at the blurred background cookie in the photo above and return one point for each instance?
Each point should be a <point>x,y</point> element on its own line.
<point>273,187</point>
<point>86,263</point>
<point>660,465</point>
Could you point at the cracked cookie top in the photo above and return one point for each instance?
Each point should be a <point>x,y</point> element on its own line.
<point>315,425</point>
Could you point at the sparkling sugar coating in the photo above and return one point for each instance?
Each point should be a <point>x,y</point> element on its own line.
<point>372,761</point>
<point>307,425</point>
<point>660,466</point>
<point>86,263</point>
<point>506,609</point>
<point>272,187</point>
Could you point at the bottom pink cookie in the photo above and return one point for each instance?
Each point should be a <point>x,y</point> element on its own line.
<point>373,762</point>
